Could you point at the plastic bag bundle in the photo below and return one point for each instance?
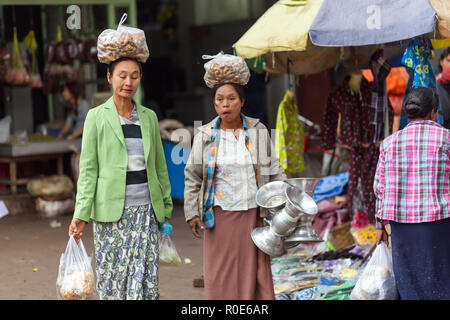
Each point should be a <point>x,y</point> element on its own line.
<point>376,281</point>
<point>51,186</point>
<point>75,276</point>
<point>123,42</point>
<point>17,73</point>
<point>168,254</point>
<point>225,68</point>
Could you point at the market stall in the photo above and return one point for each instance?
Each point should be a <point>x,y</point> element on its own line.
<point>13,153</point>
<point>59,46</point>
<point>345,38</point>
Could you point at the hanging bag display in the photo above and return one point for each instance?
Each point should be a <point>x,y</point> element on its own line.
<point>17,74</point>
<point>31,46</point>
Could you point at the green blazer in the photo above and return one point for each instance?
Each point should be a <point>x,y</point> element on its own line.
<point>103,165</point>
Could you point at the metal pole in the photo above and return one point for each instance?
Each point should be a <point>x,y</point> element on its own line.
<point>51,115</point>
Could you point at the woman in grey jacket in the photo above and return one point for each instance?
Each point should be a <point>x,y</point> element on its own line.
<point>232,156</point>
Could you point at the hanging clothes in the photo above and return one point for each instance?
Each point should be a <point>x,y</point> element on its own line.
<point>289,135</point>
<point>357,134</point>
<point>363,165</point>
<point>380,69</point>
<point>354,112</point>
<point>417,60</point>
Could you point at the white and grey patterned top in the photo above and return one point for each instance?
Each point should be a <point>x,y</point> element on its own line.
<point>137,192</point>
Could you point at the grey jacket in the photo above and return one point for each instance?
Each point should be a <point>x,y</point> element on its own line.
<point>196,170</point>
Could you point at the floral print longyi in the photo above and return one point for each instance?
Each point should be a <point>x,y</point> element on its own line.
<point>127,256</point>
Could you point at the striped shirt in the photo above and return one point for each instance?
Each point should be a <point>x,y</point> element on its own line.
<point>137,192</point>
<point>413,174</point>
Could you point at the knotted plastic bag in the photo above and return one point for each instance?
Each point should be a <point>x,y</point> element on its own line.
<point>123,42</point>
<point>376,281</point>
<point>75,276</point>
<point>168,254</point>
<point>225,68</point>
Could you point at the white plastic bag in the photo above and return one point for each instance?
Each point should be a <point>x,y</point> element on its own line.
<point>168,254</point>
<point>75,276</point>
<point>377,280</point>
<point>122,42</point>
<point>225,68</point>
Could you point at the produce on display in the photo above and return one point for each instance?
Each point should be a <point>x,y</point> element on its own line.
<point>31,46</point>
<point>17,74</point>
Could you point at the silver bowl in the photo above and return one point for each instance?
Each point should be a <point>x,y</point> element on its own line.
<point>303,234</point>
<point>268,242</point>
<point>304,231</point>
<point>291,244</point>
<point>307,185</point>
<point>300,201</point>
<point>272,196</point>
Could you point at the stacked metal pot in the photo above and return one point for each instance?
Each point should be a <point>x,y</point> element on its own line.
<point>292,210</point>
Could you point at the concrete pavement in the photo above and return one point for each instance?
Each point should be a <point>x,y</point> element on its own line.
<point>30,250</point>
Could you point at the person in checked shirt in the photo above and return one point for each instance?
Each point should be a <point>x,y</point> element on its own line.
<point>412,190</point>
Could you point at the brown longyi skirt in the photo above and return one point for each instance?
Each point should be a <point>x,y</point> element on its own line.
<point>234,268</point>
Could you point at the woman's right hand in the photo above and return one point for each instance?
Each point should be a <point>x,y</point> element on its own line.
<point>76,228</point>
<point>382,235</point>
<point>195,223</point>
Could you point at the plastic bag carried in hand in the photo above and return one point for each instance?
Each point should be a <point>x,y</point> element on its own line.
<point>75,276</point>
<point>377,281</point>
<point>225,68</point>
<point>168,254</point>
<point>124,42</point>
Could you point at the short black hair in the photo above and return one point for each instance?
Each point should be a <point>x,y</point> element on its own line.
<point>239,89</point>
<point>420,102</point>
<point>113,64</point>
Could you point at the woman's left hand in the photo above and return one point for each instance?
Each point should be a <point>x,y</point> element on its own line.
<point>71,137</point>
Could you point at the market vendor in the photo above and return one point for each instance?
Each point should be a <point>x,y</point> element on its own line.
<point>77,110</point>
<point>412,190</point>
<point>231,157</point>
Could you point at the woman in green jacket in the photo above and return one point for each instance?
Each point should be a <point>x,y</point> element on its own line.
<point>124,188</point>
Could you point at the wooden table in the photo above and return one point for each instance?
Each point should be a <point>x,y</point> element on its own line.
<point>14,153</point>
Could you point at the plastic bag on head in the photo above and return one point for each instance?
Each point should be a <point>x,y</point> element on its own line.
<point>75,275</point>
<point>123,42</point>
<point>225,68</point>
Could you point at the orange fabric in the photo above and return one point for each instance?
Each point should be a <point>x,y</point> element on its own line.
<point>396,83</point>
<point>367,73</point>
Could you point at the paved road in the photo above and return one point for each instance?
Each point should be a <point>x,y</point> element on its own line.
<point>30,249</point>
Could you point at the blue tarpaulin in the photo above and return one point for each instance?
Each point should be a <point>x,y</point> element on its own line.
<point>368,22</point>
<point>331,186</point>
<point>175,154</point>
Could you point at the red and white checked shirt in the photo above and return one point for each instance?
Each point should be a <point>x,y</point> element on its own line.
<point>413,174</point>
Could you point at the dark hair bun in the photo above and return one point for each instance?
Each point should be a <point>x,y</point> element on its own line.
<point>420,102</point>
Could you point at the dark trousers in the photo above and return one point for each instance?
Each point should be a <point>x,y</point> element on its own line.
<point>421,259</point>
